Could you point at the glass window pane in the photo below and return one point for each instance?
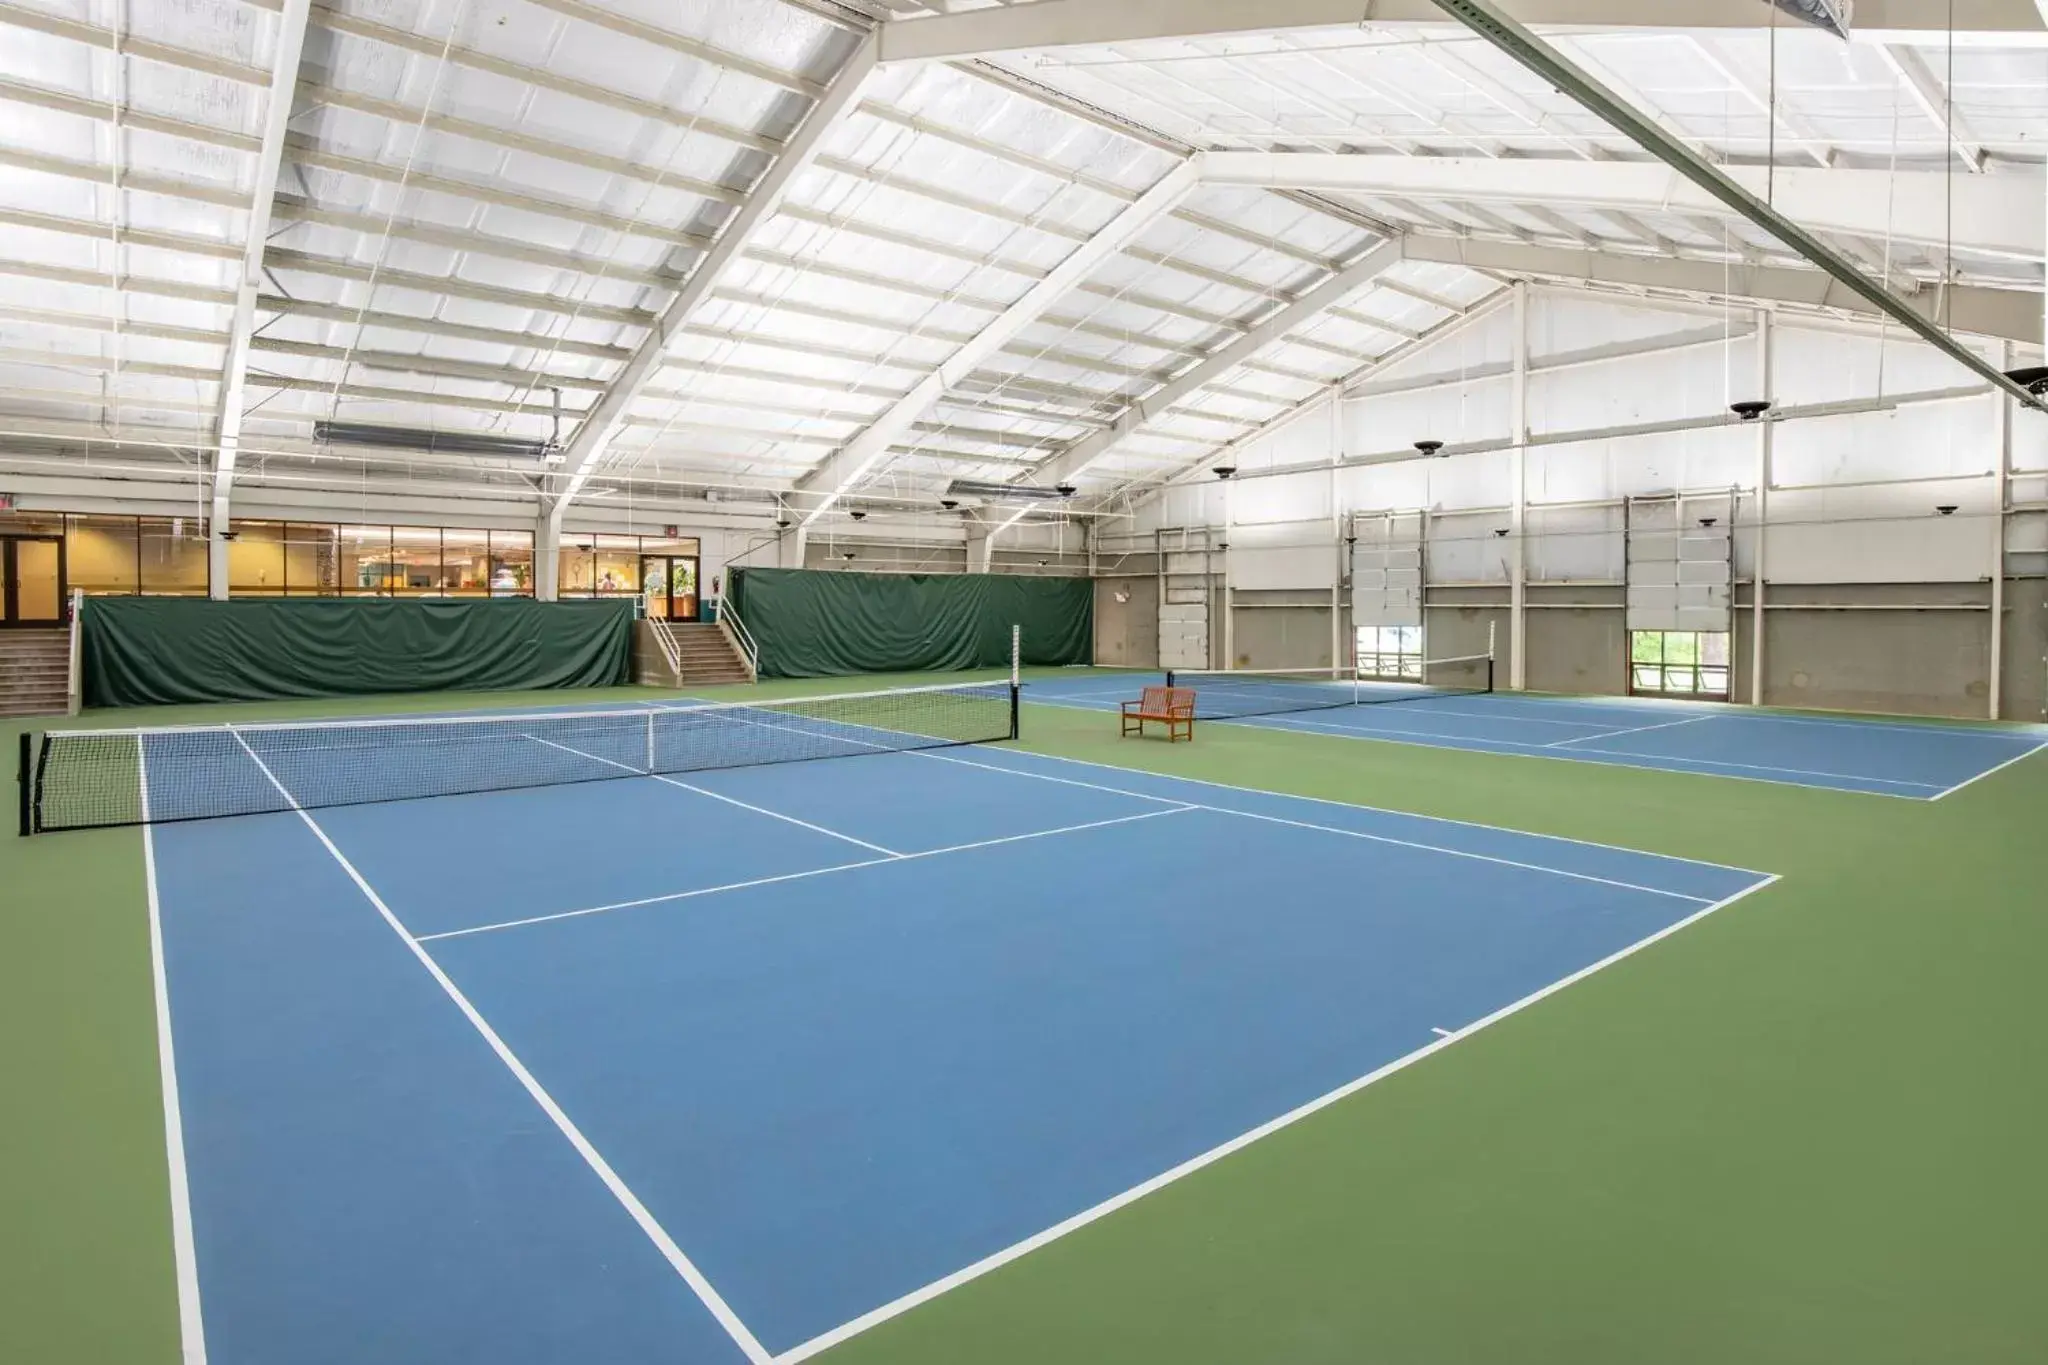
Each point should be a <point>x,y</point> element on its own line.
<point>416,560</point>
<point>465,562</point>
<point>579,568</point>
<point>1649,678</point>
<point>512,563</point>
<point>618,565</point>
<point>1714,648</point>
<point>256,559</point>
<point>102,554</point>
<point>1679,680</point>
<point>32,523</point>
<point>684,546</point>
<point>1646,646</point>
<point>1713,680</point>
<point>365,560</point>
<point>312,560</point>
<point>173,557</point>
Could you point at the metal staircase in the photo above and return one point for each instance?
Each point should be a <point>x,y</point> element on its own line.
<point>685,654</point>
<point>35,671</point>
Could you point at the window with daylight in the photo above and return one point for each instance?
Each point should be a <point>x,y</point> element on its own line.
<point>1678,663</point>
<point>1390,651</point>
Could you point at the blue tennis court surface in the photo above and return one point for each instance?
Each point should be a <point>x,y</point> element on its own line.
<point>1888,758</point>
<point>723,1068</point>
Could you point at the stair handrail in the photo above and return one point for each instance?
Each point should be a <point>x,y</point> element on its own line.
<point>740,638</point>
<point>671,648</point>
<point>74,681</point>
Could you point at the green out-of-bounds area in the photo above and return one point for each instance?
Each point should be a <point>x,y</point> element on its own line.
<point>1808,1128</point>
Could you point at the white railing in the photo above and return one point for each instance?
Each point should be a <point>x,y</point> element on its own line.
<point>671,648</point>
<point>740,638</point>
<point>75,681</point>
<point>664,638</point>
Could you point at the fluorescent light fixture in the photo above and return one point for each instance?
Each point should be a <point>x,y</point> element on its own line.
<point>433,442</point>
<point>1002,492</point>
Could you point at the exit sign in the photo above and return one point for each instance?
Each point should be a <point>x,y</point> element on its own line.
<point>6,502</point>
<point>671,531</point>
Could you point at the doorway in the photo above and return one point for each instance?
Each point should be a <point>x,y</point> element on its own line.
<point>33,588</point>
<point>670,582</point>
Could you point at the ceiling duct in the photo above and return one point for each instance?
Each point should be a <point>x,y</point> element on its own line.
<point>432,442</point>
<point>1003,492</point>
<point>1486,19</point>
<point>1832,15</point>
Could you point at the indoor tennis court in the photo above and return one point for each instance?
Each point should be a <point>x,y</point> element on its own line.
<point>1919,762</point>
<point>1007,682</point>
<point>878,1027</point>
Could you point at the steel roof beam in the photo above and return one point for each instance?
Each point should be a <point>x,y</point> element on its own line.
<point>1072,463</point>
<point>838,475</point>
<point>2001,215</point>
<point>1539,58</point>
<point>597,431</point>
<point>1048,24</point>
<point>2008,313</point>
<point>289,40</point>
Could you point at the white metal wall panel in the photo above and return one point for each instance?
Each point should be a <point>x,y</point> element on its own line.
<point>1295,554</point>
<point>1680,563</point>
<point>1184,634</point>
<point>1931,440</point>
<point>1814,366</point>
<point>1386,569</point>
<point>1282,498</point>
<point>1666,385</point>
<point>1464,549</point>
<point>1881,535</point>
<point>1577,545</point>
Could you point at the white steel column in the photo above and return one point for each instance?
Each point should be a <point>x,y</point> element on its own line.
<point>547,556</point>
<point>277,113</point>
<point>1767,432</point>
<point>1337,650</point>
<point>1229,594</point>
<point>2000,495</point>
<point>1518,573</point>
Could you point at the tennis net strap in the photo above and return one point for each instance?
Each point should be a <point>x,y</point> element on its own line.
<point>1236,694</point>
<point>84,779</point>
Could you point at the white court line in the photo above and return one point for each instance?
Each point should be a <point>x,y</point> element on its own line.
<point>897,1307</point>
<point>1633,730</point>
<point>715,796</point>
<point>1383,810</point>
<point>1332,829</point>
<point>185,1254</point>
<point>683,1266</point>
<point>1770,768</point>
<point>2016,758</point>
<point>799,876</point>
<point>1472,744</point>
<point>1444,1033</point>
<point>1736,711</point>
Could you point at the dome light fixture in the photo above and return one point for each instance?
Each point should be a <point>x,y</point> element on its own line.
<point>1429,448</point>
<point>1224,471</point>
<point>1749,409</point>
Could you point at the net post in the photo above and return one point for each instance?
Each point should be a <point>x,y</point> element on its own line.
<point>28,803</point>
<point>650,742</point>
<point>1016,679</point>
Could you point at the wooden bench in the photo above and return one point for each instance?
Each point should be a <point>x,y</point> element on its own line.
<point>1173,706</point>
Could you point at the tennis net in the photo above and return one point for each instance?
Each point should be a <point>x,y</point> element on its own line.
<point>1232,694</point>
<point>85,779</point>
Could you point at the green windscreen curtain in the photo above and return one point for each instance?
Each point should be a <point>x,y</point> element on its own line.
<point>812,623</point>
<point>152,651</point>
